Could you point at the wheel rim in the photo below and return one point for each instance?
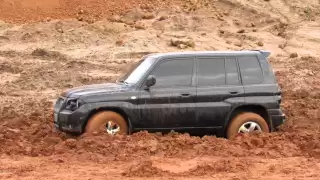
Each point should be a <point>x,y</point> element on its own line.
<point>112,128</point>
<point>249,127</point>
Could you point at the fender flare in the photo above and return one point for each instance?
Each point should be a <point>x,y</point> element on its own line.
<point>228,118</point>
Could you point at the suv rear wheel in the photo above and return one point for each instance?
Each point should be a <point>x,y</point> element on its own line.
<point>107,121</point>
<point>246,122</point>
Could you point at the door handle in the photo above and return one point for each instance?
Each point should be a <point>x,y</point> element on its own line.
<point>185,94</point>
<point>233,92</point>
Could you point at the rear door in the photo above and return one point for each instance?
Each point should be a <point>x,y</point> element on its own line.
<point>258,89</point>
<point>218,89</point>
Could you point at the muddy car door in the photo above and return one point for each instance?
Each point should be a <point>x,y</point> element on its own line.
<point>169,103</point>
<point>218,89</point>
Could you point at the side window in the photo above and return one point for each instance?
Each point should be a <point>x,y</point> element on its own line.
<point>174,72</point>
<point>250,69</point>
<point>211,71</point>
<point>232,72</point>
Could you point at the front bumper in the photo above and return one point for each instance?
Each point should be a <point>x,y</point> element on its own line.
<point>64,121</point>
<point>277,117</point>
<point>70,121</point>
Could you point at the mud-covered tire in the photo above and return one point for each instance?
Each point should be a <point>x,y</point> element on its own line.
<point>241,119</point>
<point>98,122</point>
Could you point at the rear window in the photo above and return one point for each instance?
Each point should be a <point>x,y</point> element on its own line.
<point>250,69</point>
<point>217,71</point>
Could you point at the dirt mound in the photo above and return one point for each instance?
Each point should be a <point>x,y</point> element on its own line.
<point>148,169</point>
<point>145,169</point>
<point>49,54</point>
<point>229,166</point>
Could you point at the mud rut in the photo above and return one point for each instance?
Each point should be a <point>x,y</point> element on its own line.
<point>40,59</point>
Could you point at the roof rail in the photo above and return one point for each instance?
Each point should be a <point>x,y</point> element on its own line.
<point>264,52</point>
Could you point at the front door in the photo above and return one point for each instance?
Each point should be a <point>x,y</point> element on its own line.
<point>219,88</point>
<point>169,104</point>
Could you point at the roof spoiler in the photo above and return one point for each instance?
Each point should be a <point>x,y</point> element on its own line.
<point>264,52</point>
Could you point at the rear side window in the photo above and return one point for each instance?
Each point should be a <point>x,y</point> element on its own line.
<point>211,71</point>
<point>250,69</point>
<point>232,72</point>
<point>174,72</point>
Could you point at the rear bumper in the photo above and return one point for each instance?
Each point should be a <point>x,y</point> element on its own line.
<point>277,117</point>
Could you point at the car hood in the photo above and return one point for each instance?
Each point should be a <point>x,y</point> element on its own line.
<point>94,89</point>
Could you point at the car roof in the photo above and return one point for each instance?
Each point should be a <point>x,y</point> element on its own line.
<point>204,53</point>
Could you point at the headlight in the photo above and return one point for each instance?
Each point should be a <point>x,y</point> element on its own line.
<point>73,104</point>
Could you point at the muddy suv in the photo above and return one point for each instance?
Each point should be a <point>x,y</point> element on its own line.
<point>225,93</point>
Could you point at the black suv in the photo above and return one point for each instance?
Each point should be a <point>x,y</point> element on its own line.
<point>220,92</point>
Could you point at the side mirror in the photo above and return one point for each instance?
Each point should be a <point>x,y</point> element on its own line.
<point>151,80</point>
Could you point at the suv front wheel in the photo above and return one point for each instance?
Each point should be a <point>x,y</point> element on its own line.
<point>246,122</point>
<point>107,122</point>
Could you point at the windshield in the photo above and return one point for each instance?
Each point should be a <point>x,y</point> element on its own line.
<point>136,71</point>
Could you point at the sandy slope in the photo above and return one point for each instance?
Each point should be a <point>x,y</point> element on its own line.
<point>38,60</point>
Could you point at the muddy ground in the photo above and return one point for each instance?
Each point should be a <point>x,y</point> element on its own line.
<point>49,46</point>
